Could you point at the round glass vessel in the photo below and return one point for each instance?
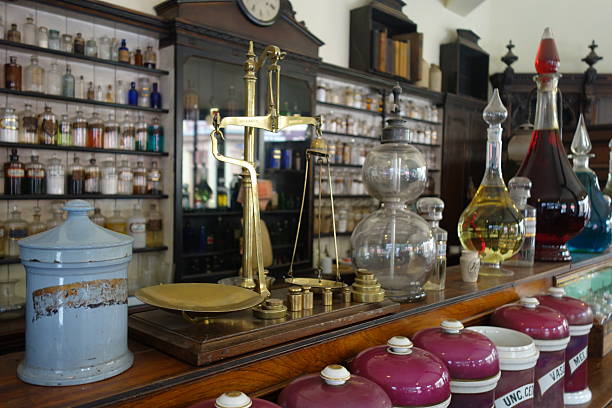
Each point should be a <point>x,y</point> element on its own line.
<point>395,243</point>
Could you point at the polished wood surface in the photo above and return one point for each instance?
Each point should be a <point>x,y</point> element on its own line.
<point>158,380</point>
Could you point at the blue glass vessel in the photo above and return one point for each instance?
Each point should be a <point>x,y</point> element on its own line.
<point>597,234</point>
<point>133,94</point>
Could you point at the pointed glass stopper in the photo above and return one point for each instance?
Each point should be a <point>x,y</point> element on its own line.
<point>495,112</point>
<point>581,144</point>
<point>547,60</point>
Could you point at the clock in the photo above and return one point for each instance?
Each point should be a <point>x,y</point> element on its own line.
<point>260,12</point>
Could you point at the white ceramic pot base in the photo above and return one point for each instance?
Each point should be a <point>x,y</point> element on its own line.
<point>74,376</point>
<point>578,397</point>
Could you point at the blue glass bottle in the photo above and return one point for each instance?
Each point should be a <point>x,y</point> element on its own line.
<point>597,234</point>
<point>156,99</point>
<point>133,95</point>
<point>155,136</point>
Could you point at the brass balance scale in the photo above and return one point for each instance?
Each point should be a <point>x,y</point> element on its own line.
<point>210,299</point>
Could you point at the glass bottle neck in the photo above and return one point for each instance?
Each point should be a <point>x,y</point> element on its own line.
<point>581,163</point>
<point>546,105</point>
<point>493,173</point>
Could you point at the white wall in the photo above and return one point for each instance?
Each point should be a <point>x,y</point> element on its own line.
<point>575,24</point>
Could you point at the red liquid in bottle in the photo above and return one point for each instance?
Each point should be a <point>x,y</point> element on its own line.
<point>560,200</point>
<point>547,59</point>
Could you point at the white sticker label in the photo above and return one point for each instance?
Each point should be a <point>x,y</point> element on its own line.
<point>577,360</point>
<point>550,378</point>
<point>515,397</point>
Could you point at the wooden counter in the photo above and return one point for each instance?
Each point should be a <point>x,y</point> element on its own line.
<point>158,380</point>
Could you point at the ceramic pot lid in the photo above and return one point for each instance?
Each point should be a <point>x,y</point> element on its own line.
<point>467,354</point>
<point>333,387</point>
<point>539,322</point>
<point>235,399</point>
<point>575,310</point>
<point>517,351</point>
<point>78,239</point>
<point>409,375</point>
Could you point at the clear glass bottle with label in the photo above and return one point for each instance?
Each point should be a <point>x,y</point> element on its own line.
<point>54,80</point>
<point>137,227</point>
<point>47,127</point>
<point>117,223</point>
<point>9,125</point>
<point>120,93</point>
<point>66,43</point>
<point>95,131</point>
<point>108,177</point>
<point>92,178</point>
<point>64,132</point>
<point>34,76</point>
<point>56,176</point>
<point>79,88</point>
<point>141,133</point>
<point>36,226</point>
<point>13,34</point>
<point>91,48</point>
<point>16,229</point>
<point>76,177</point>
<point>97,217</point>
<point>128,134</point>
<point>27,125</point>
<point>155,136</point>
<point>35,174</point>
<point>42,37</point>
<point>78,129</point>
<point>154,179</point>
<point>99,95</point>
<point>140,178</point>
<point>104,44</point>
<point>150,58</point>
<point>155,234</point>
<point>29,31</point>
<point>431,209</point>
<point>12,74</point>
<point>111,133</point>
<point>54,40</point>
<point>109,96</point>
<point>68,83</point>
<point>126,178</point>
<point>520,188</point>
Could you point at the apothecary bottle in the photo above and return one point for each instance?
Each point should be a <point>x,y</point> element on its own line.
<point>79,88</point>
<point>64,132</point>
<point>111,133</point>
<point>155,136</point>
<point>150,58</point>
<point>56,176</point>
<point>13,34</point>
<point>124,53</point>
<point>16,229</point>
<point>66,43</point>
<point>108,177</point>
<point>138,58</point>
<point>520,188</point>
<point>99,95</point>
<point>430,208</point>
<point>114,50</point>
<point>561,202</point>
<point>79,129</point>
<point>54,80</point>
<point>104,44</point>
<point>68,83</point>
<point>120,93</point>
<point>91,48</point>
<point>128,134</point>
<point>42,37</point>
<point>132,95</point>
<point>12,74</point>
<point>92,178</point>
<point>144,92</point>
<point>95,131</point>
<point>76,177</point>
<point>57,219</point>
<point>79,44</point>
<point>34,76</point>
<point>9,125</point>
<point>154,177</point>
<point>54,40</point>
<point>117,223</point>
<point>27,125</point>
<point>97,217</point>
<point>47,127</point>
<point>156,99</point>
<point>137,227</point>
<point>109,96</point>
<point>14,173</point>
<point>91,91</point>
<point>36,226</point>
<point>140,178</point>
<point>126,179</point>
<point>155,235</point>
<point>35,175</point>
<point>29,31</point>
<point>141,133</point>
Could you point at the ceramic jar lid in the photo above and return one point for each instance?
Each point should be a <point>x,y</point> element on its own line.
<point>539,322</point>
<point>517,351</point>
<point>333,387</point>
<point>235,399</point>
<point>77,240</point>
<point>409,375</point>
<point>578,314</point>
<point>467,354</point>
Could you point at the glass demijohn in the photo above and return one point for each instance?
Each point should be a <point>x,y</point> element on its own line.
<point>491,224</point>
<point>560,199</point>
<point>597,234</point>
<point>394,243</point>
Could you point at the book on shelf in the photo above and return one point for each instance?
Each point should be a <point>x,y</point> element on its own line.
<point>397,55</point>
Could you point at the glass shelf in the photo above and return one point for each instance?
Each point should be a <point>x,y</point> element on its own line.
<point>79,149</point>
<point>84,58</point>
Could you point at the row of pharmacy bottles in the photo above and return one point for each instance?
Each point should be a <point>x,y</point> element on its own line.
<point>104,48</point>
<point>46,129</point>
<point>36,178</point>
<point>146,231</point>
<point>53,82</point>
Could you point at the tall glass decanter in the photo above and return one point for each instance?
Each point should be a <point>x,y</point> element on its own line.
<point>560,199</point>
<point>394,243</point>
<point>491,224</point>
<point>597,234</point>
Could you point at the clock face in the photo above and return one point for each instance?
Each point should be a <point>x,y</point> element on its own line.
<point>261,12</point>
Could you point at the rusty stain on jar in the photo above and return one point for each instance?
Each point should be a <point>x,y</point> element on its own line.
<point>88,294</point>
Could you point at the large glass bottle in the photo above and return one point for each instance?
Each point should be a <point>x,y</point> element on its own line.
<point>125,184</point>
<point>491,224</point>
<point>597,234</point>
<point>9,125</point>
<point>56,176</point>
<point>36,226</point>
<point>68,83</point>
<point>140,178</point>
<point>97,217</point>
<point>13,34</point>
<point>117,223</point>
<point>57,218</point>
<point>92,178</point>
<point>16,229</point>
<point>29,31</point>
<point>137,227</point>
<point>111,133</point>
<point>47,127</point>
<point>95,131</point>
<point>27,125</point>
<point>78,129</point>
<point>76,177</point>
<point>430,208</point>
<point>154,176</point>
<point>35,174</point>
<point>128,134</point>
<point>150,58</point>
<point>14,173</point>
<point>64,134</point>
<point>54,80</point>
<point>155,136</point>
<point>393,243</point>
<point>560,199</point>
<point>520,191</point>
<point>34,76</point>
<point>140,138</point>
<point>155,235</point>
<point>12,74</point>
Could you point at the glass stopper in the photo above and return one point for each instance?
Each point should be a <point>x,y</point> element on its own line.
<point>430,208</point>
<point>581,144</point>
<point>495,113</point>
